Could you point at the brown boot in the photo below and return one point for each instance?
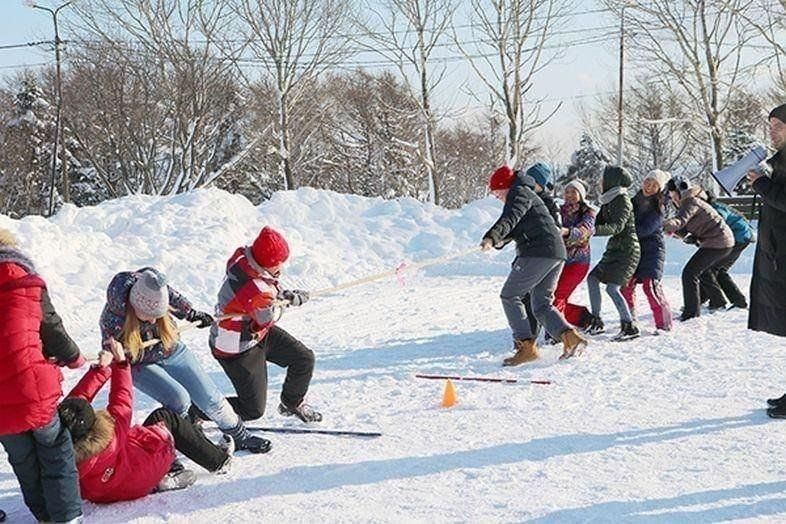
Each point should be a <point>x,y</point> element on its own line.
<point>526,351</point>
<point>572,343</point>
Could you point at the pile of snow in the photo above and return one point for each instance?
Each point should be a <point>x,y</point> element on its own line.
<point>665,428</point>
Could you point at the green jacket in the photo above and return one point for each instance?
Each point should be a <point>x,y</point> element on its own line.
<point>616,219</point>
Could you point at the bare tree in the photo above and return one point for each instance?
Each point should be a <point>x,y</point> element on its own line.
<point>406,33</point>
<point>511,50</point>
<point>769,19</point>
<point>293,42</point>
<point>697,45</point>
<point>171,55</point>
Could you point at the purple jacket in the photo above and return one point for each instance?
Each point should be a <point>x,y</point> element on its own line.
<point>114,315</point>
<point>582,227</point>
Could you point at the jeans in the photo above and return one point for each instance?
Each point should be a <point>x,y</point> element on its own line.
<point>178,380</point>
<point>538,278</point>
<point>44,463</point>
<point>248,373</point>
<point>614,291</point>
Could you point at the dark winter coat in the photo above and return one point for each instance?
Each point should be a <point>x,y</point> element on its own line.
<point>29,384</point>
<point>649,228</point>
<point>118,461</point>
<point>615,219</point>
<point>768,284</point>
<point>696,217</point>
<point>740,227</point>
<point>113,316</point>
<point>526,220</point>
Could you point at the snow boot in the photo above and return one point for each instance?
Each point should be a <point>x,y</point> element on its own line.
<point>778,411</point>
<point>572,343</point>
<point>244,440</point>
<point>526,351</point>
<point>595,326</point>
<point>304,412</point>
<point>628,331</point>
<point>176,480</point>
<point>775,402</point>
<point>2,515</point>
<point>227,443</point>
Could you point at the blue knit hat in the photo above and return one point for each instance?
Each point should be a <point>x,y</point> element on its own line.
<point>541,173</point>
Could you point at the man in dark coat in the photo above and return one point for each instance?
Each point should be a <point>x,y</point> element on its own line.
<point>526,220</point>
<point>768,285</point>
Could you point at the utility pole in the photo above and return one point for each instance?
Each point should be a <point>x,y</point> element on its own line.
<point>620,108</point>
<point>58,138</point>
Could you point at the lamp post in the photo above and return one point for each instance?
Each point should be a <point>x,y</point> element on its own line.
<point>620,109</point>
<point>58,110</point>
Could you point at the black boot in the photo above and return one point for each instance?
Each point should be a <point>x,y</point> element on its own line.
<point>775,402</point>
<point>595,326</point>
<point>244,440</point>
<point>778,411</point>
<point>628,331</point>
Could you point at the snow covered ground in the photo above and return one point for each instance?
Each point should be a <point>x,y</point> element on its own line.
<point>667,428</point>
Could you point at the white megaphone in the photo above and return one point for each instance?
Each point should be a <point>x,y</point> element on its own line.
<point>729,177</point>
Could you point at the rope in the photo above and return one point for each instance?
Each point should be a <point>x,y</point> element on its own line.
<point>394,272</point>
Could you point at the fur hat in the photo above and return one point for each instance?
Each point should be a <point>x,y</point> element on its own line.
<point>779,113</point>
<point>580,188</point>
<point>78,416</point>
<point>502,178</point>
<point>150,295</point>
<point>660,177</point>
<point>270,248</point>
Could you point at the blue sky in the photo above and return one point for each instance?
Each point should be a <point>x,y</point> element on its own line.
<point>572,79</point>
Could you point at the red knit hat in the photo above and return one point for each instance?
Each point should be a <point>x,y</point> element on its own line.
<point>502,178</point>
<point>270,248</point>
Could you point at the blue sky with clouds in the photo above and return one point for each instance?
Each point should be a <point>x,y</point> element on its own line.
<point>583,70</point>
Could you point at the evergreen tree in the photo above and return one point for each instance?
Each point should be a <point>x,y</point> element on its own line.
<point>587,164</point>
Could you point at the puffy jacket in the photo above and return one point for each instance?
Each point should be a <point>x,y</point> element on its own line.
<point>698,218</point>
<point>526,220</point>
<point>118,461</point>
<point>768,285</point>
<point>649,229</point>
<point>113,316</point>
<point>245,304</point>
<point>616,220</point>
<point>580,221</point>
<point>29,385</point>
<point>740,228</point>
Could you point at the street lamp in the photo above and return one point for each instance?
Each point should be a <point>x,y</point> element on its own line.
<point>58,111</point>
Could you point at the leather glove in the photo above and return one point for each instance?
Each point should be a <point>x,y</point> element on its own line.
<point>295,297</point>
<point>201,318</point>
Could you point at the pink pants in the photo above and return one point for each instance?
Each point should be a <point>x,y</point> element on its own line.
<point>661,311</point>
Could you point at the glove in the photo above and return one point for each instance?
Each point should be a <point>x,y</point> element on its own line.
<point>486,244</point>
<point>295,297</point>
<point>201,318</point>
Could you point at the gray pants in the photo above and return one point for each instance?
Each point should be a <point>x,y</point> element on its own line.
<point>538,277</point>
<point>614,291</point>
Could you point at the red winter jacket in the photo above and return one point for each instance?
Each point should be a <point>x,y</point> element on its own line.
<point>118,461</point>
<point>29,385</point>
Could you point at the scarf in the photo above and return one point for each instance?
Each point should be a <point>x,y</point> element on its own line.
<point>612,193</point>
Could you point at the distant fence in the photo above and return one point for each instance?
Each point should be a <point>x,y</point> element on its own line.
<point>743,204</point>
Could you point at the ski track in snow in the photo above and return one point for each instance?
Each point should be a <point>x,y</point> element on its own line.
<point>667,428</point>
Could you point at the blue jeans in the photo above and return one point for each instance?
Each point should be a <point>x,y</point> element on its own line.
<point>44,463</point>
<point>178,380</point>
<point>614,291</point>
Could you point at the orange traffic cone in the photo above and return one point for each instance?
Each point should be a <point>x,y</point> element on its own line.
<point>449,398</point>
